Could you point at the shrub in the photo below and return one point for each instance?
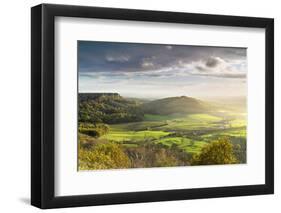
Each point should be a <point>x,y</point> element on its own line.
<point>217,152</point>
<point>156,155</point>
<point>93,130</point>
<point>103,156</point>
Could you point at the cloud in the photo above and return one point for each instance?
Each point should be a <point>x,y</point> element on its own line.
<point>213,61</point>
<point>134,57</point>
<point>223,75</point>
<point>169,47</point>
<point>132,60</point>
<point>86,75</point>
<point>147,65</point>
<point>201,68</point>
<point>121,58</point>
<point>218,68</point>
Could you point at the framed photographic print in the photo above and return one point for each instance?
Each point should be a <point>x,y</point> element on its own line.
<point>139,106</point>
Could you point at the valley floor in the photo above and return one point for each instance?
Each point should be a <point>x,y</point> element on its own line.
<point>186,135</point>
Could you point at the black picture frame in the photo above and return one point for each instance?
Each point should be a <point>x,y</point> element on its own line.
<point>43,102</point>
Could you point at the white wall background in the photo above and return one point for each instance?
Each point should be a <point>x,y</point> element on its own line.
<point>15,105</point>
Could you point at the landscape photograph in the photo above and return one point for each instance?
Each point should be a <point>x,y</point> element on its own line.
<point>146,105</point>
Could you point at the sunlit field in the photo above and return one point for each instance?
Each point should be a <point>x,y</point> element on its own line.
<point>186,134</point>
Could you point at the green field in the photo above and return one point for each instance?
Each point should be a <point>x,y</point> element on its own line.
<point>188,132</point>
<point>115,132</point>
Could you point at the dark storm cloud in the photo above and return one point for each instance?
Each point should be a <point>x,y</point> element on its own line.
<point>212,62</point>
<point>219,68</point>
<point>133,57</point>
<point>201,68</point>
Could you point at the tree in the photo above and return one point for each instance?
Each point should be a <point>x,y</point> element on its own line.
<point>217,152</point>
<point>96,130</point>
<point>103,156</point>
<point>108,108</point>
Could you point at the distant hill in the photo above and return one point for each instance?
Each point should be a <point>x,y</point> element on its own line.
<point>112,108</point>
<point>108,108</point>
<point>182,104</point>
<point>95,96</point>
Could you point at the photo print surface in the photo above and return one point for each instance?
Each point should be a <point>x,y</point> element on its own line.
<point>160,105</point>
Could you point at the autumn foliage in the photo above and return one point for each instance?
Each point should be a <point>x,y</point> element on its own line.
<point>217,152</point>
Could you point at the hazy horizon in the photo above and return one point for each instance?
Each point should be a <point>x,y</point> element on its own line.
<point>157,71</point>
<point>205,98</point>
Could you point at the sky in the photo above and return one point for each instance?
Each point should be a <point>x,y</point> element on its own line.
<point>161,70</point>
